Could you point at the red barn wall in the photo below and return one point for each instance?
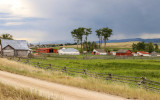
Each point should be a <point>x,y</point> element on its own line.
<point>46,50</point>
<point>128,53</point>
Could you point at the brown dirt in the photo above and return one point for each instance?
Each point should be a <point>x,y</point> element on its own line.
<point>53,90</point>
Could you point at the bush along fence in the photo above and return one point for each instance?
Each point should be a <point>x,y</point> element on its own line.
<point>140,82</point>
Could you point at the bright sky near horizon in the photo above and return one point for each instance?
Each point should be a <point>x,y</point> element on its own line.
<point>53,20</point>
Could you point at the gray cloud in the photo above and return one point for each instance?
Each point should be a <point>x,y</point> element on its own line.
<point>57,18</point>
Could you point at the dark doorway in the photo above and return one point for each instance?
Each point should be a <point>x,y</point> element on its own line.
<point>50,50</point>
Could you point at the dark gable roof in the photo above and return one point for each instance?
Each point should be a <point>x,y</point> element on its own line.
<point>16,44</point>
<point>100,50</point>
<point>122,51</point>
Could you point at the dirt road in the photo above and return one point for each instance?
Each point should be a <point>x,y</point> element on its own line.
<point>50,89</point>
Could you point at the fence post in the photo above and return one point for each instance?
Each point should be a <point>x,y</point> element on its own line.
<point>85,71</point>
<point>50,66</point>
<point>110,76</point>
<point>143,81</point>
<point>65,69</point>
<point>38,64</point>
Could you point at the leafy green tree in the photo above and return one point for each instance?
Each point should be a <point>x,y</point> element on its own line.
<point>74,34</point>
<point>151,47</point>
<point>99,34</point>
<point>156,47</point>
<point>6,36</point>
<point>87,31</point>
<point>78,34</point>
<point>141,46</point>
<point>134,47</point>
<point>106,32</point>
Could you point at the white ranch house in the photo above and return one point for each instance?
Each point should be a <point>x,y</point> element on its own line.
<point>68,51</point>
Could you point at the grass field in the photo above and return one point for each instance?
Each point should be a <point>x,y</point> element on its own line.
<point>87,83</point>
<point>148,68</point>
<point>10,93</point>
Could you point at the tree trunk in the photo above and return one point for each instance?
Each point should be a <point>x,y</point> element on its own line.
<point>105,43</point>
<point>86,44</point>
<point>77,44</point>
<point>101,41</point>
<point>81,45</point>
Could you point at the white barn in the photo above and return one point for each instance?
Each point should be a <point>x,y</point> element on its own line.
<point>142,53</point>
<point>18,48</point>
<point>99,52</point>
<point>68,51</point>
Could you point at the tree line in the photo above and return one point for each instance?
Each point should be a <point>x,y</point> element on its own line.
<point>6,36</point>
<point>148,47</point>
<point>78,34</point>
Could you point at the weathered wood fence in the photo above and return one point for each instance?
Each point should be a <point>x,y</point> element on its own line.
<point>140,82</point>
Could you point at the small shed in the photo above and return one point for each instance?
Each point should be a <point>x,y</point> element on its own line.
<point>46,50</point>
<point>123,52</point>
<point>68,51</point>
<point>99,52</point>
<point>134,54</point>
<point>113,53</point>
<point>18,48</point>
<point>143,53</point>
<point>155,54</point>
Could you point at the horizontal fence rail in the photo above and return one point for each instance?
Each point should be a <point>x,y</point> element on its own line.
<point>140,82</point>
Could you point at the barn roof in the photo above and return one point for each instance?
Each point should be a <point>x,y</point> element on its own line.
<point>100,50</point>
<point>69,50</point>
<point>122,51</point>
<point>143,52</point>
<point>16,44</point>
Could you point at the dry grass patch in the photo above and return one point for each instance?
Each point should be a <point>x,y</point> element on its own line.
<point>111,45</point>
<point>87,83</point>
<point>10,93</point>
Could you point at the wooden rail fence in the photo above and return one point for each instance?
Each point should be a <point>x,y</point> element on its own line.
<point>140,82</point>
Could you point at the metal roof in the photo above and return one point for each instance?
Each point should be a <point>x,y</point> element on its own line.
<point>122,51</point>
<point>69,50</point>
<point>16,44</point>
<point>100,50</point>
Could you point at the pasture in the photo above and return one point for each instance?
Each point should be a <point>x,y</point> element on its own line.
<point>148,68</point>
<point>118,89</point>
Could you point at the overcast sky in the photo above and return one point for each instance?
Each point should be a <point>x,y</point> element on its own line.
<point>53,20</point>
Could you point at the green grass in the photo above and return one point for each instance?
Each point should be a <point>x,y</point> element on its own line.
<point>148,68</point>
<point>113,88</point>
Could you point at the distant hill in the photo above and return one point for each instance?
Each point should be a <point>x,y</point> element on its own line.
<point>156,40</point>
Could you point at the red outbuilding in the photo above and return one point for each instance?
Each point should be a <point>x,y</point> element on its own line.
<point>46,50</point>
<point>122,52</point>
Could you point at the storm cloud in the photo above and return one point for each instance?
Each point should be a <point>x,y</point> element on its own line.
<point>53,20</point>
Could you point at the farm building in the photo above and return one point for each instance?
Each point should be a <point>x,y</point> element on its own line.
<point>143,53</point>
<point>46,50</point>
<point>68,51</point>
<point>113,53</point>
<point>18,48</point>
<point>134,54</point>
<point>99,52</point>
<point>122,52</point>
